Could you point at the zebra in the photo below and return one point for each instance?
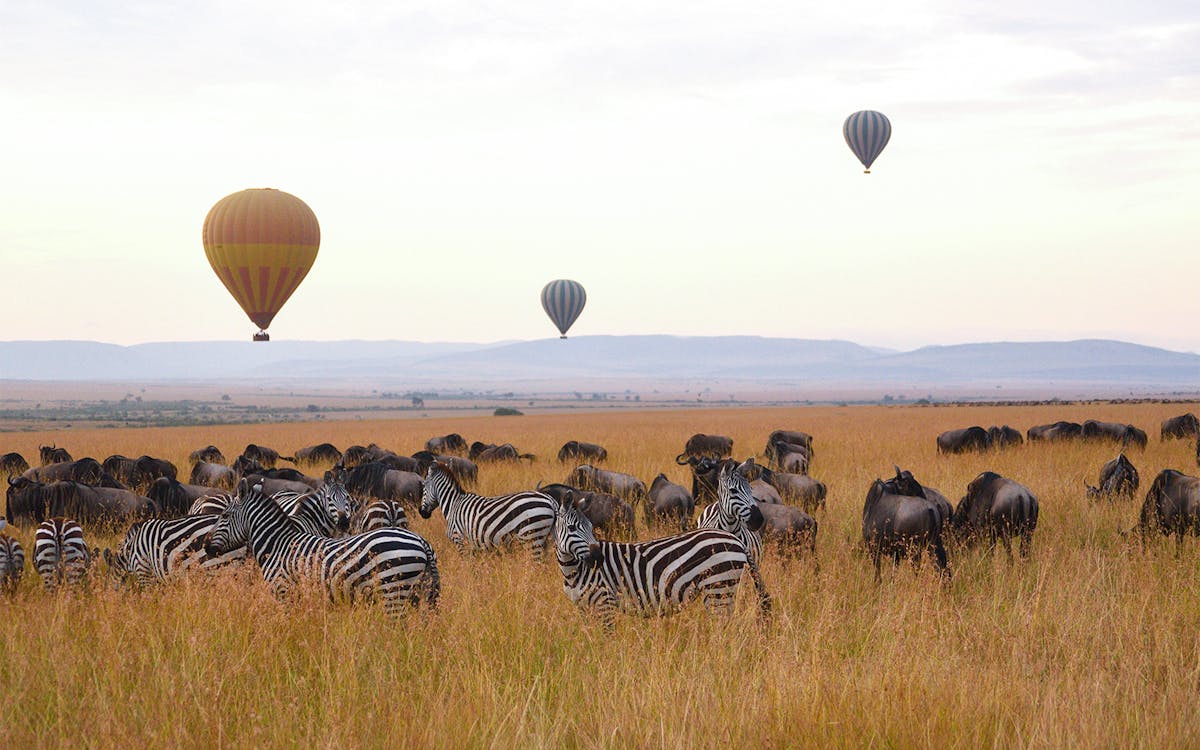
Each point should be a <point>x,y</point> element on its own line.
<point>158,550</point>
<point>395,565</point>
<point>325,511</point>
<point>211,505</point>
<point>12,562</point>
<point>655,577</point>
<point>488,523</point>
<point>379,514</point>
<point>737,512</point>
<point>59,553</point>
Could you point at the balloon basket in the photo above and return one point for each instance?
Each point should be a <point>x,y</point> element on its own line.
<point>866,171</point>
<point>262,336</point>
<point>563,336</point>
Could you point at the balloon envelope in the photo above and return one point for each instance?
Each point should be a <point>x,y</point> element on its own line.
<point>866,133</point>
<point>563,300</point>
<point>261,243</point>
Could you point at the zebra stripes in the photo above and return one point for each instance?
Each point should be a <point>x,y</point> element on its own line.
<point>655,577</point>
<point>325,511</point>
<point>156,551</point>
<point>12,562</point>
<point>394,565</point>
<point>379,514</point>
<point>736,511</point>
<point>60,554</point>
<point>866,133</point>
<point>488,523</point>
<point>211,505</point>
<point>563,301</point>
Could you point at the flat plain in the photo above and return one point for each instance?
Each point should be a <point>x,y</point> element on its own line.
<point>1093,641</point>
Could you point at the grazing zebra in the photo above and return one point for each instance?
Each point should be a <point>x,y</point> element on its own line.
<point>12,562</point>
<point>489,523</point>
<point>395,565</point>
<point>157,550</point>
<point>325,511</point>
<point>378,514</point>
<point>59,553</point>
<point>652,578</point>
<point>736,511</point>
<point>211,505</point>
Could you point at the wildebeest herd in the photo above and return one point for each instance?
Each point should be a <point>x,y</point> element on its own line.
<point>349,528</point>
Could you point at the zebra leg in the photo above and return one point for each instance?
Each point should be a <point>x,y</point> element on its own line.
<point>433,582</point>
<point>764,598</point>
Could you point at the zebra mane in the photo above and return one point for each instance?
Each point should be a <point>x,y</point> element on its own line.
<point>442,466</point>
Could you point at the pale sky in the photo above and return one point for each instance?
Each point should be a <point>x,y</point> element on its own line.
<point>685,163</point>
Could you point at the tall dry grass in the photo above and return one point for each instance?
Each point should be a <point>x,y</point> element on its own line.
<point>1093,642</point>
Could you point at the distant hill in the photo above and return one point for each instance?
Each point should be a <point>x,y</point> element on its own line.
<point>743,358</point>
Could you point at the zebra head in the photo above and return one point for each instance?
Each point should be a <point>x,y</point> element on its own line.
<point>573,532</point>
<point>337,502</point>
<point>439,482</point>
<point>232,529</point>
<point>735,498</point>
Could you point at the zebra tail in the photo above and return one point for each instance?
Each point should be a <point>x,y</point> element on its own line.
<point>433,586</point>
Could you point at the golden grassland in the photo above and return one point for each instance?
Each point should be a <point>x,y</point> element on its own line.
<point>1093,642</point>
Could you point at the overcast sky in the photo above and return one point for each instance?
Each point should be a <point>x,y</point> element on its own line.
<point>685,163</point>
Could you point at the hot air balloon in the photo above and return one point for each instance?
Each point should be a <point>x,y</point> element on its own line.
<point>261,243</point>
<point>867,132</point>
<point>563,300</point>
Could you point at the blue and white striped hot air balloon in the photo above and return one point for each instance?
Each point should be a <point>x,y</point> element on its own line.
<point>867,132</point>
<point>563,300</point>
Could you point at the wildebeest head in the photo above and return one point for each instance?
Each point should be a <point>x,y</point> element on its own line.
<point>904,483</point>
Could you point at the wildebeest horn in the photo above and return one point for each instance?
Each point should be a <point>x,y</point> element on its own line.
<point>11,481</point>
<point>897,468</point>
<point>539,486</point>
<point>682,463</point>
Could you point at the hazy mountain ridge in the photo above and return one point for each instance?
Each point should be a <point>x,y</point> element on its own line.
<point>720,357</point>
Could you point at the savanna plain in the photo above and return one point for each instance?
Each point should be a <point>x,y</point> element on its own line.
<point>1092,642</point>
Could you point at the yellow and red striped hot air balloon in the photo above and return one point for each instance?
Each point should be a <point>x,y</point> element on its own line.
<point>261,243</point>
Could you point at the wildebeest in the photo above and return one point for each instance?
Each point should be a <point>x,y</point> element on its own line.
<point>1172,506</point>
<point>210,453</point>
<point>85,470</point>
<point>901,525</point>
<point>999,508</point>
<point>625,486</point>
<point>1118,478</point>
<point>139,472</point>
<point>274,485</point>
<point>174,498</point>
<point>789,527</point>
<point>1183,426</point>
<point>315,454</point>
<point>453,444</point>
<point>213,475</point>
<point>669,503</point>
<point>12,464</point>
<point>30,501</point>
<point>973,438</point>
<point>795,437</point>
<point>765,494</point>
<point>265,456</point>
<point>573,450</point>
<point>463,469</point>
<point>606,512</point>
<point>490,452</point>
<point>1125,434</point>
<point>706,446</point>
<point>53,455</point>
<point>1005,436</point>
<point>797,488</point>
<point>790,458</point>
<point>376,480</point>
<point>356,455</point>
<point>1053,432</point>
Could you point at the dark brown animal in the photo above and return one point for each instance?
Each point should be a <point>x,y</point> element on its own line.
<point>267,457</point>
<point>1005,437</point>
<point>175,499</point>
<point>625,486</point>
<point>764,493</point>
<point>706,446</point>
<point>973,438</point>
<point>214,475</point>
<point>1055,432</point>
<point>13,464</point>
<point>376,480</point>
<point>898,524</point>
<point>210,453</point>
<point>999,509</point>
<point>53,455</point>
<point>789,527</point>
<point>1118,479</point>
<point>84,470</point>
<point>34,502</point>
<point>464,470</point>
<point>573,450</point>
<point>669,503</point>
<point>795,437</point>
<point>492,453</point>
<point>453,444</point>
<point>797,489</point>
<point>315,454</point>
<point>1172,507</point>
<point>608,513</point>
<point>1183,426</point>
<point>1114,432</point>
